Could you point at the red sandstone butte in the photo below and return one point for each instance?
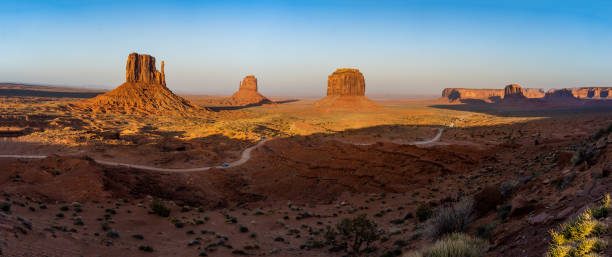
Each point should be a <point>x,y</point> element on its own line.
<point>346,91</point>
<point>247,94</point>
<point>144,92</point>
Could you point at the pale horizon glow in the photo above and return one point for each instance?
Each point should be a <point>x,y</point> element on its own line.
<point>401,47</point>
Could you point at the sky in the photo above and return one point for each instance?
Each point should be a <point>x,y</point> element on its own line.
<point>401,47</point>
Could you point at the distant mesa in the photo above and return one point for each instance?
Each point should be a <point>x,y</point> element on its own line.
<point>514,91</point>
<point>346,91</point>
<point>563,94</point>
<point>592,92</point>
<point>247,94</point>
<point>144,92</point>
<point>473,94</point>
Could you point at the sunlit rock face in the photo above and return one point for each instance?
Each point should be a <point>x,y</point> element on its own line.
<point>592,92</point>
<point>459,94</point>
<point>249,83</point>
<point>141,68</point>
<point>144,92</point>
<point>346,92</point>
<point>346,82</point>
<point>247,94</point>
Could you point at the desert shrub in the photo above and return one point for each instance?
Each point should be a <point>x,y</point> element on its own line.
<point>353,234</point>
<point>507,188</point>
<point>484,231</point>
<point>503,211</point>
<point>453,245</point>
<point>578,157</point>
<point>602,210</point>
<point>452,219</point>
<point>600,133</point>
<point>424,212</point>
<point>145,248</point>
<point>580,236</point>
<point>5,206</point>
<point>158,207</point>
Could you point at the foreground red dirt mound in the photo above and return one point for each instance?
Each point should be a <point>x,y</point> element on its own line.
<point>55,178</point>
<point>144,92</point>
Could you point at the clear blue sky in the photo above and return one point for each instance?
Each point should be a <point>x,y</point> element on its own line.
<point>402,47</point>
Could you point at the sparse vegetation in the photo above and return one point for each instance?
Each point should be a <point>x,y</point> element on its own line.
<point>158,207</point>
<point>484,231</point>
<point>5,206</point>
<point>424,212</point>
<point>580,236</point>
<point>453,245</point>
<point>452,219</point>
<point>354,233</point>
<point>145,248</point>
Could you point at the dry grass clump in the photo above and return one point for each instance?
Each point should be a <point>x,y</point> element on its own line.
<point>453,245</point>
<point>452,219</point>
<point>580,236</point>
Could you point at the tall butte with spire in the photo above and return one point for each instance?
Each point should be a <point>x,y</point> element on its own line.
<point>144,92</point>
<point>346,91</point>
<point>247,94</point>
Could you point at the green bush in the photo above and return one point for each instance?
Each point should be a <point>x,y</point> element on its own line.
<point>453,245</point>
<point>158,207</point>
<point>580,236</point>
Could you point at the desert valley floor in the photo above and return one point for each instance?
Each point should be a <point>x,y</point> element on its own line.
<point>305,169</point>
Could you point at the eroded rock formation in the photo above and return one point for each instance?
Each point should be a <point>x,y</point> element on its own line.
<point>462,94</point>
<point>560,94</point>
<point>346,82</point>
<point>592,92</point>
<point>141,68</point>
<point>247,94</point>
<point>534,92</point>
<point>249,83</point>
<point>346,91</point>
<point>514,91</point>
<point>144,92</point>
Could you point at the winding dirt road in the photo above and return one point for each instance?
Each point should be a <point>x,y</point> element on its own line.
<point>244,157</point>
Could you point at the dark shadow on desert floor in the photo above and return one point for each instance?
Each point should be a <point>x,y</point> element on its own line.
<point>231,108</point>
<point>39,93</point>
<point>530,107</point>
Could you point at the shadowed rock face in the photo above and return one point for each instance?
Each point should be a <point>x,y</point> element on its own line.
<point>141,68</point>
<point>560,94</point>
<point>346,82</point>
<point>514,92</point>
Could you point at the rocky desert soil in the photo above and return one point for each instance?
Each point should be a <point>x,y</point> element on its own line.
<point>519,167</point>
